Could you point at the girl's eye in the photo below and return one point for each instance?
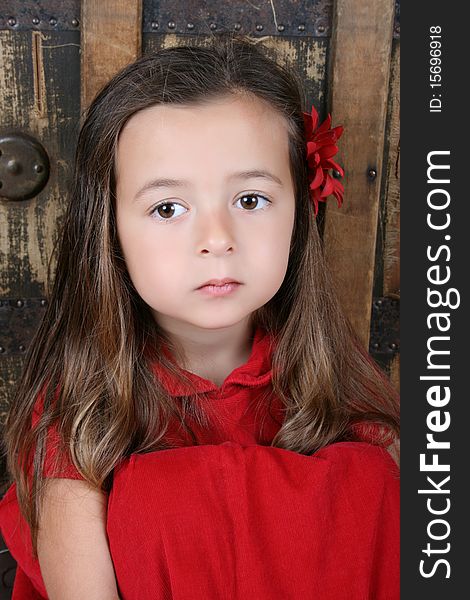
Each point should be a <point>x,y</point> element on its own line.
<point>253,204</point>
<point>165,211</point>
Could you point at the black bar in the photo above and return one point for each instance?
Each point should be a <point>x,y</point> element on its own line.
<point>434,131</point>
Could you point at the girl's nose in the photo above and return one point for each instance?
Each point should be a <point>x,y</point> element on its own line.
<point>215,234</point>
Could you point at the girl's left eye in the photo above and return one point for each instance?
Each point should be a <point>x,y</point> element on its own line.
<point>254,205</point>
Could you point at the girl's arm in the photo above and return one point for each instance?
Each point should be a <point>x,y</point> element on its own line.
<point>73,549</point>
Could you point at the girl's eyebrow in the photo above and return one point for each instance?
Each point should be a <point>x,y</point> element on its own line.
<point>166,182</point>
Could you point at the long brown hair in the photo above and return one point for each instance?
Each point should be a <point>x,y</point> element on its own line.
<point>88,359</point>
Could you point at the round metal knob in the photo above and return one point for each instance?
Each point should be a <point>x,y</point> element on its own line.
<point>24,166</point>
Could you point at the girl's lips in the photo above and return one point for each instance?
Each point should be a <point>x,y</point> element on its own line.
<point>220,290</point>
<point>219,281</point>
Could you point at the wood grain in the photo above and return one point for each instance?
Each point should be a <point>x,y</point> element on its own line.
<point>111,39</point>
<point>362,37</point>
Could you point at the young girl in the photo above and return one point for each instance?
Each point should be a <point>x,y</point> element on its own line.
<point>196,418</point>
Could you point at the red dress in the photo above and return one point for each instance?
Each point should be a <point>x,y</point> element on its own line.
<point>237,519</point>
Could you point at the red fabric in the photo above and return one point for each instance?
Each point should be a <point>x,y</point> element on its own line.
<point>236,518</point>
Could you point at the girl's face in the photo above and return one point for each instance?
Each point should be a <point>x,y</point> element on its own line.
<point>205,192</point>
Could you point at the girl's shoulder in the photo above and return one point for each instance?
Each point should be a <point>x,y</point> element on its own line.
<point>358,453</point>
<point>363,457</point>
<point>362,477</point>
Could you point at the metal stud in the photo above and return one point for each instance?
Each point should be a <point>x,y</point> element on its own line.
<point>11,21</point>
<point>321,29</point>
<point>75,22</point>
<point>43,302</point>
<point>2,349</point>
<point>259,27</point>
<point>213,26</point>
<point>171,25</point>
<point>154,25</point>
<point>301,27</point>
<point>190,26</point>
<point>280,27</point>
<point>372,174</point>
<point>19,303</point>
<point>53,21</point>
<point>36,21</point>
<point>237,26</point>
<point>14,167</point>
<point>21,348</point>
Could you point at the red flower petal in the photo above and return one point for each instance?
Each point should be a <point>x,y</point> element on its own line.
<point>327,152</point>
<point>325,125</point>
<point>328,187</point>
<point>317,179</point>
<point>331,164</point>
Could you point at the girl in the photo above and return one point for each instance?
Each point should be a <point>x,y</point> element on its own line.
<point>196,418</point>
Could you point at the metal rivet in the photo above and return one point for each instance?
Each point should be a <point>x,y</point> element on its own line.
<point>237,26</point>
<point>38,168</point>
<point>259,27</point>
<point>53,21</point>
<point>336,174</point>
<point>36,21</point>
<point>19,303</point>
<point>392,346</point>
<point>280,27</point>
<point>11,21</point>
<point>301,27</point>
<point>14,167</point>
<point>190,25</point>
<point>2,349</point>
<point>375,345</point>
<point>371,174</point>
<point>154,25</point>
<point>321,29</point>
<point>171,24</point>
<point>213,26</point>
<point>75,22</point>
<point>43,302</point>
<point>21,348</point>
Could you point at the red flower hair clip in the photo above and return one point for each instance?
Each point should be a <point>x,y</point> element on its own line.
<point>321,147</point>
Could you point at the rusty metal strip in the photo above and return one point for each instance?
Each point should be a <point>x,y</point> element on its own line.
<point>19,320</point>
<point>290,18</point>
<point>385,327</point>
<point>41,15</point>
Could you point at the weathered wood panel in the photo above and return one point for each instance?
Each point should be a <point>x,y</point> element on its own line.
<point>39,95</point>
<point>111,38</point>
<point>359,86</point>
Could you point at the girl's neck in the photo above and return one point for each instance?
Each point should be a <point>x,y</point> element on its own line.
<point>213,354</point>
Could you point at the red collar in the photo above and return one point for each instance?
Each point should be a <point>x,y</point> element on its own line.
<point>255,372</point>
